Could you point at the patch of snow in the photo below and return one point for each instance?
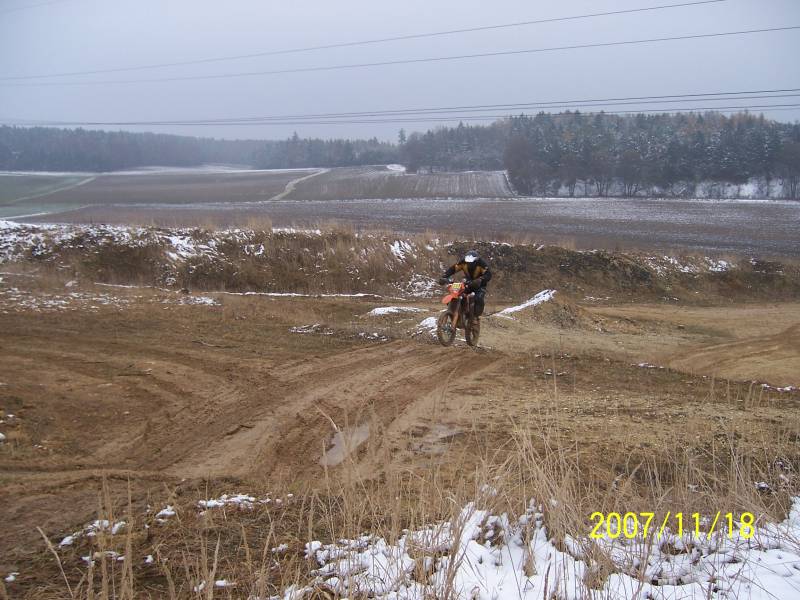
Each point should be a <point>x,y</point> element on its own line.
<point>543,296</point>
<point>421,286</point>
<point>2,438</point>
<point>315,328</point>
<point>165,513</point>
<point>11,577</point>
<point>481,556</point>
<point>237,500</point>
<point>396,168</point>
<point>297,231</point>
<point>718,266</point>
<point>393,310</point>
<point>427,325</point>
<point>401,249</point>
<point>197,300</point>
<point>766,386</point>
<point>373,336</point>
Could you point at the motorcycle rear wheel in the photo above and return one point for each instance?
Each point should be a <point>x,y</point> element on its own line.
<point>473,331</point>
<point>445,329</point>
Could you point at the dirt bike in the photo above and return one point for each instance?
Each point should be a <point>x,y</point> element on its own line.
<point>459,314</point>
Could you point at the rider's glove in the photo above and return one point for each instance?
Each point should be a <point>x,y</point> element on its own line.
<point>476,284</point>
<point>443,281</point>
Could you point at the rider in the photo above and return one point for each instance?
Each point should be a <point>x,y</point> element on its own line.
<point>476,274</point>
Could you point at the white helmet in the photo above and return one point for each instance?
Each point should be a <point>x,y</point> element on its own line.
<point>471,256</point>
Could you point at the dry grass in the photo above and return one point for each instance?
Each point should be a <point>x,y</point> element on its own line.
<point>530,463</point>
<point>340,259</point>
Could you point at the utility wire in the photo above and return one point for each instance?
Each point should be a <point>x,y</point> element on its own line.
<point>19,8</point>
<point>356,43</point>
<point>424,119</point>
<point>413,60</point>
<point>551,104</point>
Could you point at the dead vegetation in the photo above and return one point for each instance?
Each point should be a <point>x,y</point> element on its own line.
<point>342,260</point>
<point>123,412</point>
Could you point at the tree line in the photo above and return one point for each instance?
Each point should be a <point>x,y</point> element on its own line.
<point>570,154</point>
<point>51,149</point>
<point>565,154</point>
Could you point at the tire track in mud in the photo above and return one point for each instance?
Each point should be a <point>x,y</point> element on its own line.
<point>781,351</point>
<point>174,398</point>
<point>196,412</point>
<point>376,382</point>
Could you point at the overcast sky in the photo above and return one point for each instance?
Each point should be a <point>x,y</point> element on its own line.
<point>75,35</point>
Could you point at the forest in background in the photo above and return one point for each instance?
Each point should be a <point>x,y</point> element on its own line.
<point>574,154</point>
<point>565,154</point>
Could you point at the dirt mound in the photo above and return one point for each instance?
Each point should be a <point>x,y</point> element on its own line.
<point>634,277</point>
<point>348,262</point>
<point>551,308</point>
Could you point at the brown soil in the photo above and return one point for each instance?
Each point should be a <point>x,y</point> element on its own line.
<point>157,393</point>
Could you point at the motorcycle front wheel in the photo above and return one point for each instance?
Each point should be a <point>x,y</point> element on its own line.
<point>445,329</point>
<point>472,331</point>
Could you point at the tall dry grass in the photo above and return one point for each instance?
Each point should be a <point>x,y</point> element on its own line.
<point>531,463</point>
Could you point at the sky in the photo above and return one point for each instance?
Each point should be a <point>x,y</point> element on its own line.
<point>39,37</point>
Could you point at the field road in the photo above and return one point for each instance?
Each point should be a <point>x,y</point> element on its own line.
<point>764,228</point>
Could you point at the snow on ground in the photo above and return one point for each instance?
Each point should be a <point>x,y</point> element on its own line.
<point>427,325</point>
<point>543,296</point>
<point>786,389</point>
<point>299,295</point>
<point>481,556</point>
<point>421,286</point>
<point>195,300</point>
<point>92,529</point>
<point>664,265</point>
<point>646,365</point>
<point>165,513</point>
<point>396,168</point>
<point>393,310</point>
<point>402,249</point>
<point>240,501</point>
<point>315,328</point>
<point>13,299</point>
<point>294,230</point>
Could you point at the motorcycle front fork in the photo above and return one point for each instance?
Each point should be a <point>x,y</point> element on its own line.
<point>458,308</point>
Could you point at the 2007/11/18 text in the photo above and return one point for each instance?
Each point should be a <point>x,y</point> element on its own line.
<point>630,525</point>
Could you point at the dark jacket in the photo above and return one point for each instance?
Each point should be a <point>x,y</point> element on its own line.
<point>474,270</point>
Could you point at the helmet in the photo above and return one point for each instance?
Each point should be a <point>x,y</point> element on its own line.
<point>471,256</point>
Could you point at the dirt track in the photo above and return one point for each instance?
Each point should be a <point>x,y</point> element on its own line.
<point>158,393</point>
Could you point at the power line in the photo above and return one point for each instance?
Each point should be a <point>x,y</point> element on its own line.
<point>423,119</point>
<point>550,104</point>
<point>413,60</point>
<point>356,43</point>
<point>29,6</point>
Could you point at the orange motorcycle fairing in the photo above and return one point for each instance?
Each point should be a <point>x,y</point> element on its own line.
<point>447,299</point>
